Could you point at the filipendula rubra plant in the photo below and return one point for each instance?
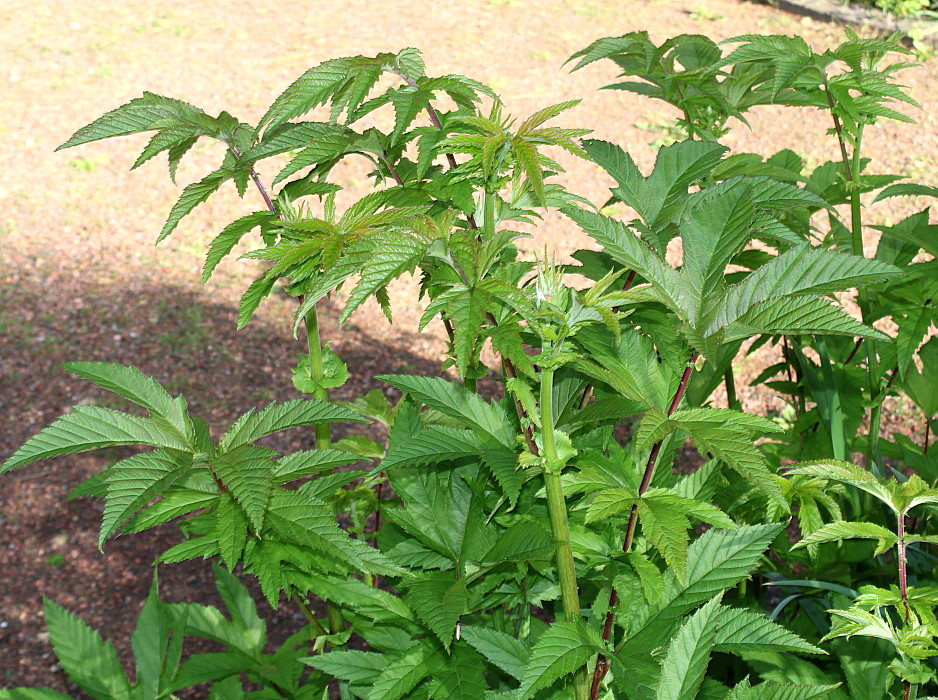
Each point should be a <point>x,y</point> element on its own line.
<point>527,549</point>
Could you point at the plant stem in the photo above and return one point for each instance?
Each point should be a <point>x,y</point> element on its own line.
<point>903,566</point>
<point>488,225</point>
<point>560,526</point>
<point>317,373</point>
<point>308,614</point>
<point>602,667</point>
<point>730,381</point>
<point>927,436</point>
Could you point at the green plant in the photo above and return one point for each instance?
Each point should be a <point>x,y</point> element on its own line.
<point>516,544</point>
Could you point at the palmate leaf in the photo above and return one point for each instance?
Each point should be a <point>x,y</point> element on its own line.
<point>283,416</point>
<point>499,649</point>
<point>562,649</point>
<point>842,530</point>
<point>91,428</point>
<point>664,517</point>
<point>688,655</point>
<point>659,197</point>
<point>133,482</point>
<point>439,599</point>
<point>90,662</point>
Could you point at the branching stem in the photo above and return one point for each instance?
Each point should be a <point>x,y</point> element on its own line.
<point>602,666</point>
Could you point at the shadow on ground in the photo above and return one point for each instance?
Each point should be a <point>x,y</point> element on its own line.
<point>48,545</point>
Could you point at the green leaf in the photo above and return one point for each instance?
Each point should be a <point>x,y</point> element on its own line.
<point>192,196</point>
<point>525,540</point>
<point>562,649</point>
<point>135,386</point>
<point>246,473</point>
<point>33,694</point>
<point>742,631</point>
<point>851,474</point>
<point>91,428</point>
<point>225,241</point>
<point>716,561</point>
<point>439,600</point>
<point>723,434</point>
<point>90,662</point>
<point>135,481</point>
<point>308,462</point>
<point>356,666</point>
<point>461,677</point>
<point>458,402</point>
<point>688,655</point>
<point>231,529</point>
<point>402,675</point>
<point>499,648</point>
<point>393,256</point>
<point>144,113</point>
<point>283,416</point>
<point>780,691</point>
<point>797,316</point>
<point>308,521</point>
<point>841,530</point>
<point>912,189</point>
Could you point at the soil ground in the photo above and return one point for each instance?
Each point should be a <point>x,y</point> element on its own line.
<point>81,279</point>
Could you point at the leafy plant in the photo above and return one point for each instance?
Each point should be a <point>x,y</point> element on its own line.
<point>536,541</point>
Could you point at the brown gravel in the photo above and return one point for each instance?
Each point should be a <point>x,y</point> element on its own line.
<point>80,278</point>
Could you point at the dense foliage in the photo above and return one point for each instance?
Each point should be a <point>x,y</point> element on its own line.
<point>538,543</point>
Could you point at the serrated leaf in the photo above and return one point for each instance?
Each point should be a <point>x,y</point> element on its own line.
<point>562,649</point>
<point>356,666</point>
<point>688,655</point>
<point>283,416</point>
<point>525,540</point>
<point>402,675</point>
<point>192,196</point>
<point>91,428</point>
<point>842,530</point>
<point>739,630</point>
<point>135,481</point>
<point>461,677</point>
<point>499,648</point>
<point>439,600</point>
<point>231,529</point>
<point>225,241</point>
<point>246,472</point>
<point>90,662</point>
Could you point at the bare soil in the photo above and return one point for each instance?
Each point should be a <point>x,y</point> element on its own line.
<point>81,279</point>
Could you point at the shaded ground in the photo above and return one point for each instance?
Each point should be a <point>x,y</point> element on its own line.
<point>80,278</point>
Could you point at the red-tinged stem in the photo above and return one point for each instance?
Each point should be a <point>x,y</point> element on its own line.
<point>853,352</point>
<point>602,666</point>
<point>903,566</point>
<point>927,436</point>
<point>392,170</point>
<point>256,180</point>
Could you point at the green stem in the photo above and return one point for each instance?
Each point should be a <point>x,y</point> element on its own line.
<point>317,373</point>
<point>308,614</point>
<point>560,526</point>
<point>730,379</point>
<point>488,222</point>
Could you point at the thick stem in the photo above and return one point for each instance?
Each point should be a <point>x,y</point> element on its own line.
<point>560,526</point>
<point>602,666</point>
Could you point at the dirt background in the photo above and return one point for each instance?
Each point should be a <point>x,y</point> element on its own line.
<point>80,277</point>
